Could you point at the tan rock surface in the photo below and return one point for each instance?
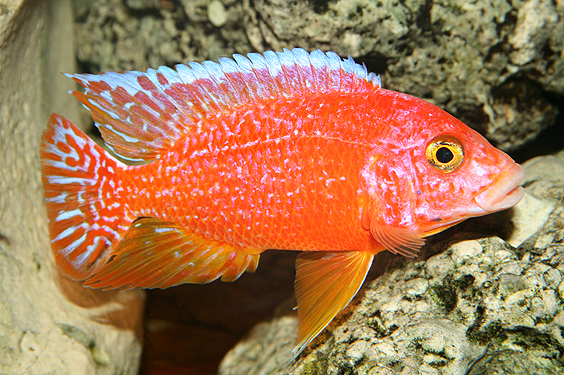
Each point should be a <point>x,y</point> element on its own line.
<point>48,323</point>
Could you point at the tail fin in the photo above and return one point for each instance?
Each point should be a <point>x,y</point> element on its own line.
<point>81,183</point>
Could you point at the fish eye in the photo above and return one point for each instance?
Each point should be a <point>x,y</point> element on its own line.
<point>445,153</point>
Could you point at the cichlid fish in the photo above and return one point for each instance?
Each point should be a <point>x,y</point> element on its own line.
<point>282,150</point>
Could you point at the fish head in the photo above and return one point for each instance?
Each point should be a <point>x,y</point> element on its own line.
<point>442,172</point>
<point>461,175</point>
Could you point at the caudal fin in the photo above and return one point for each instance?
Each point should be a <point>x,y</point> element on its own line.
<point>81,183</point>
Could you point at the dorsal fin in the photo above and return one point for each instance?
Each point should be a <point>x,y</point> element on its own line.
<point>140,115</point>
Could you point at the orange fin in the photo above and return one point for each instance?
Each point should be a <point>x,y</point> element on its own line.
<point>137,120</point>
<point>325,284</point>
<point>141,114</point>
<point>397,240</point>
<point>158,254</point>
<point>85,215</point>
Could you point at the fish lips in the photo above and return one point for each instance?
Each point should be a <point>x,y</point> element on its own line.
<point>505,193</point>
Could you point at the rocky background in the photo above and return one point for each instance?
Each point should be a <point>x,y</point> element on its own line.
<point>484,297</point>
<point>495,64</point>
<point>48,323</point>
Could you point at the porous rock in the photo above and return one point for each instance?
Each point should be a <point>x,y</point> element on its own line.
<point>472,304</point>
<point>140,34</point>
<point>48,323</point>
<point>497,65</point>
<point>490,63</point>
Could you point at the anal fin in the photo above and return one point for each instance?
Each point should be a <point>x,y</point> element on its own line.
<point>325,284</point>
<point>158,254</point>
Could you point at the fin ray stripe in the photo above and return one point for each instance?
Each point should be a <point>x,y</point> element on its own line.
<point>82,223</point>
<point>141,115</point>
<point>158,254</point>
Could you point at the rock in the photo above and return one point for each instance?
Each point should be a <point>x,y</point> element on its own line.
<point>545,177</point>
<point>48,323</point>
<point>267,347</point>
<point>216,13</point>
<point>474,305</point>
<point>484,61</point>
<point>143,4</point>
<point>115,35</point>
<point>529,216</point>
<point>494,64</point>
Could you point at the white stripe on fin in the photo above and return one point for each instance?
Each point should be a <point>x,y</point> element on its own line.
<point>141,115</point>
<point>80,182</point>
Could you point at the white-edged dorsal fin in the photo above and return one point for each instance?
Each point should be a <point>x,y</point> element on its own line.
<point>140,115</point>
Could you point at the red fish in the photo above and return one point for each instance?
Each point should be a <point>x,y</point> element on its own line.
<point>284,150</point>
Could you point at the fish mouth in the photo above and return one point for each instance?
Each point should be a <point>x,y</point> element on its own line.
<point>505,193</point>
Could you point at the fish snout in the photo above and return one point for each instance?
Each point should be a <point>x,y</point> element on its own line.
<point>505,192</point>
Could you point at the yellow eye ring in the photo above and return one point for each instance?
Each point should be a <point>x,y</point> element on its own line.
<point>445,153</point>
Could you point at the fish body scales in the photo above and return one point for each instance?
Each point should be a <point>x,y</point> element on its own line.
<point>269,177</point>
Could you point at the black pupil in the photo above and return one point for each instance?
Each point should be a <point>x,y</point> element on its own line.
<point>444,155</point>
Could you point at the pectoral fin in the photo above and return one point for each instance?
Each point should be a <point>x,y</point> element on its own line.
<point>401,241</point>
<point>325,284</point>
<point>397,240</point>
